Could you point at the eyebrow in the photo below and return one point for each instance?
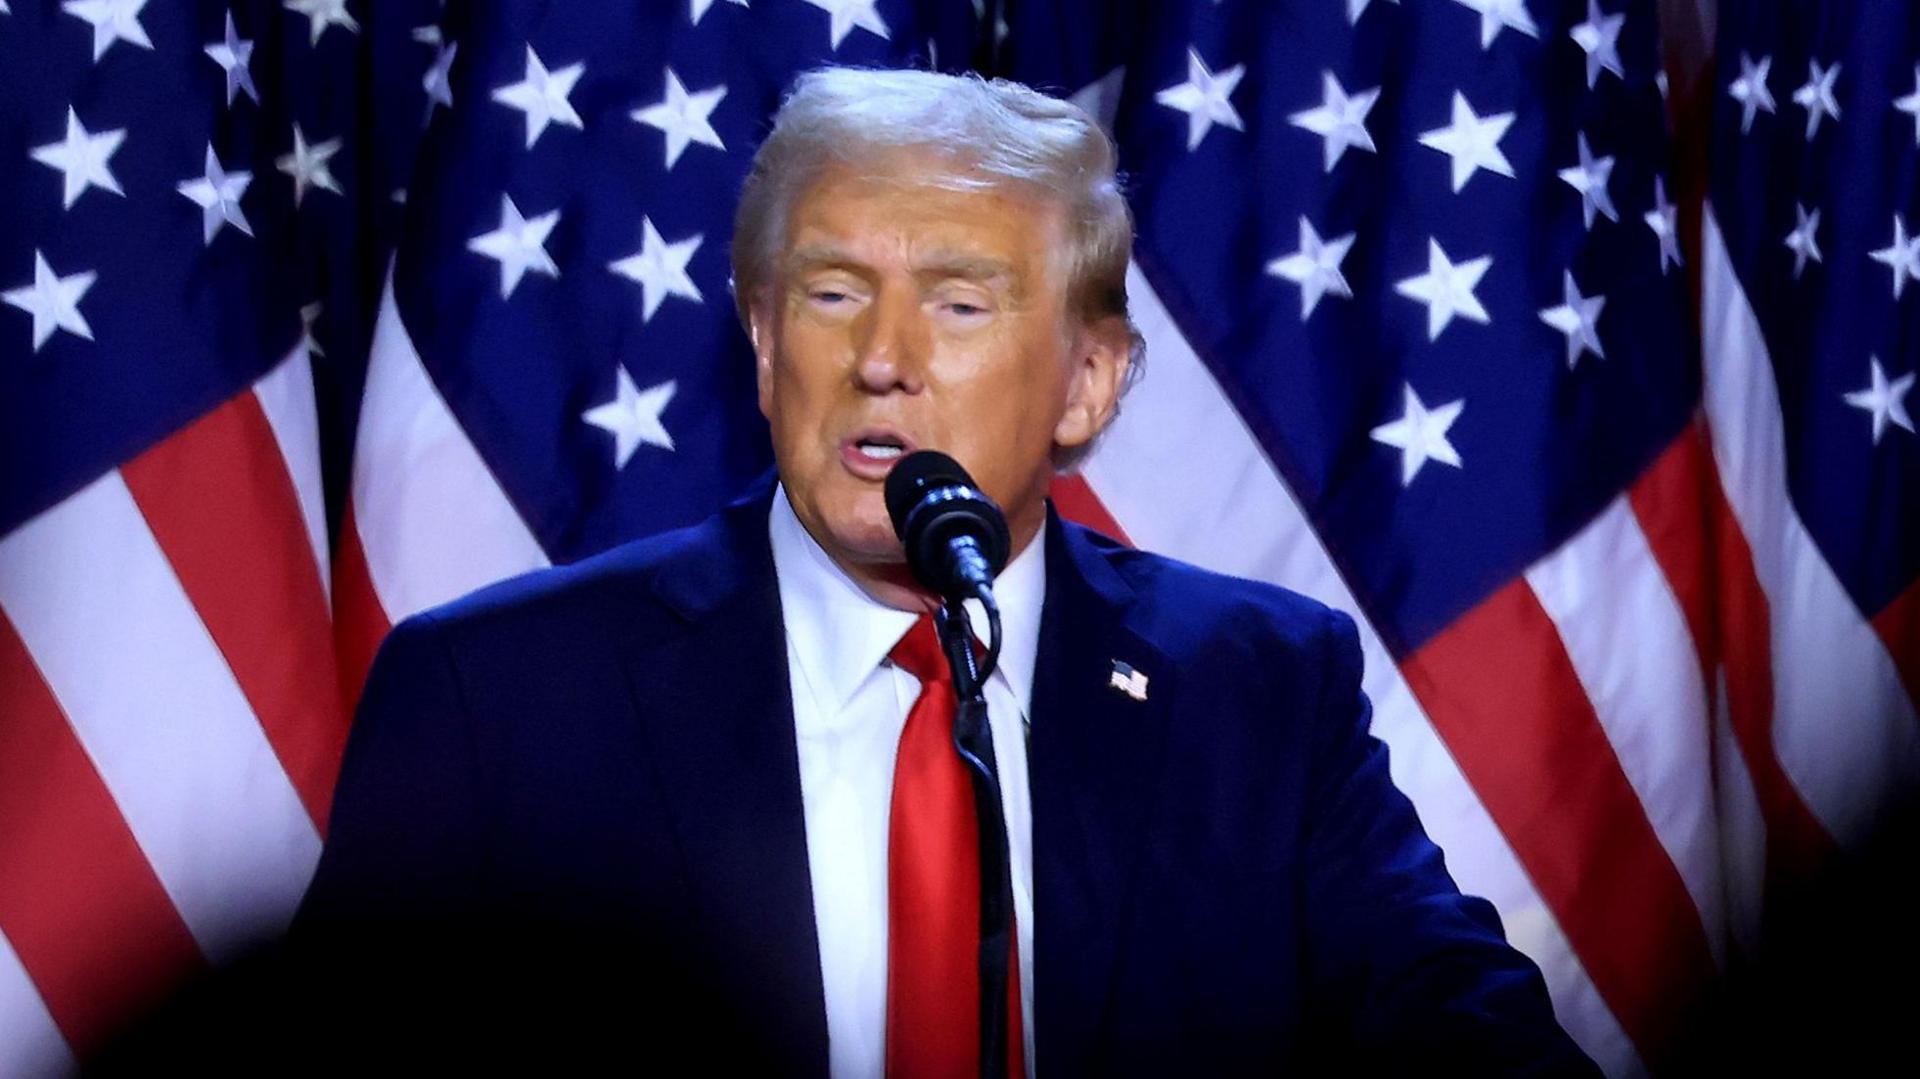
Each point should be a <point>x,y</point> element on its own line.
<point>812,256</point>
<point>939,265</point>
<point>967,267</point>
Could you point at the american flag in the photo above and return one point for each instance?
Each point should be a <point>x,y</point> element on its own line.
<point>1422,344</point>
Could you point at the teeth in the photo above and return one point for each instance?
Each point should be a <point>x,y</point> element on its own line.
<point>875,449</point>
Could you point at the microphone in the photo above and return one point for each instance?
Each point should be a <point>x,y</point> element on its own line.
<point>956,537</point>
<point>956,540</point>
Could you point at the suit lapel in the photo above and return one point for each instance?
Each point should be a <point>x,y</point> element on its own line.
<point>1094,762</point>
<point>718,716</point>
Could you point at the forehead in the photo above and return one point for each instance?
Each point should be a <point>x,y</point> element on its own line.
<point>913,205</point>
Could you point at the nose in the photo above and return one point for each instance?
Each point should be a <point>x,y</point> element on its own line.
<point>891,347</point>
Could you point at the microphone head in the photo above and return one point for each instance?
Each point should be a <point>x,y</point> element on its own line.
<point>933,501</point>
<point>913,476</point>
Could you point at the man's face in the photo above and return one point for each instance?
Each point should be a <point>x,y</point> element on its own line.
<point>904,316</point>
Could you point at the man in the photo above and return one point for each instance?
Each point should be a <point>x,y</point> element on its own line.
<point>714,746</point>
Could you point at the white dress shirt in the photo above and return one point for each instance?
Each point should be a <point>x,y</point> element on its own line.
<point>850,704</point>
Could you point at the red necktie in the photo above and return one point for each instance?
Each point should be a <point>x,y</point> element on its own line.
<point>933,889</point>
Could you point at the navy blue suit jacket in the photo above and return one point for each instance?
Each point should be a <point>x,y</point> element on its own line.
<point>1224,875</point>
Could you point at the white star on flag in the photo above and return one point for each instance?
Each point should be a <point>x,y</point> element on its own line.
<point>1498,15</point>
<point>1902,256</point>
<point>1590,178</point>
<point>1664,220</point>
<point>847,14</point>
<point>428,35</point>
<point>1341,119</point>
<point>1420,435</point>
<point>1355,9</point>
<point>438,81</point>
<point>1315,267</point>
<point>82,159</point>
<point>542,95</point>
<point>112,20</point>
<point>1578,319</point>
<point>683,117</point>
<point>322,14</point>
<point>308,165</point>
<point>700,8</point>
<point>1599,38</point>
<point>1884,400</point>
<point>1447,289</point>
<point>218,195</point>
<point>1911,104</point>
<point>518,245</point>
<point>660,268</point>
<point>1803,241</point>
<point>1473,142</point>
<point>1816,96</point>
<point>53,301</point>
<point>1750,89</point>
<point>633,416</point>
<point>1204,98</point>
<point>233,55</point>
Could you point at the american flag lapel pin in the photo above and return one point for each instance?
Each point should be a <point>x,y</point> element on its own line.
<point>1128,681</point>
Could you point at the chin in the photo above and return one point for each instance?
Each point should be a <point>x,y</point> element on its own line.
<point>861,529</point>
<point>869,543</point>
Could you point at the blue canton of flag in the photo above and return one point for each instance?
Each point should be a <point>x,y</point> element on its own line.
<point>1410,242</point>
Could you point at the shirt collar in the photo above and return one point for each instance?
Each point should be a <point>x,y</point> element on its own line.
<point>839,635</point>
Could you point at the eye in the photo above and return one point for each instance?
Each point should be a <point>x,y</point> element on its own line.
<point>963,305</point>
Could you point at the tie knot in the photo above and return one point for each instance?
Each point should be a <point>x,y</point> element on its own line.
<point>919,654</point>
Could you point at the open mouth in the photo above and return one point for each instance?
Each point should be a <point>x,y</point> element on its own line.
<point>882,448</point>
<point>871,453</point>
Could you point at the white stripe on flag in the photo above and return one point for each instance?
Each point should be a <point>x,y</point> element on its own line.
<point>157,709</point>
<point>1236,515</point>
<point>433,521</point>
<point>286,396</point>
<point>1843,725</point>
<point>30,1045</point>
<point>1630,646</point>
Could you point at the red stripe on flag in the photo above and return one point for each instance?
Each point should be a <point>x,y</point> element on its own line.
<point>1898,624</point>
<point>1077,502</point>
<point>1670,501</point>
<point>360,623</point>
<point>223,508</point>
<point>1504,696</point>
<point>88,918</point>
<point>1698,543</point>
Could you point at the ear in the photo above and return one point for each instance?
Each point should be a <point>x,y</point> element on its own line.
<point>760,332</point>
<point>1102,352</point>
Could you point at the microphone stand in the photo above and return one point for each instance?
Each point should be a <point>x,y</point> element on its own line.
<point>974,741</point>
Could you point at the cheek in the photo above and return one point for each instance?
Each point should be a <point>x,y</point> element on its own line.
<point>1007,411</point>
<point>800,377</point>
<point>1033,390</point>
